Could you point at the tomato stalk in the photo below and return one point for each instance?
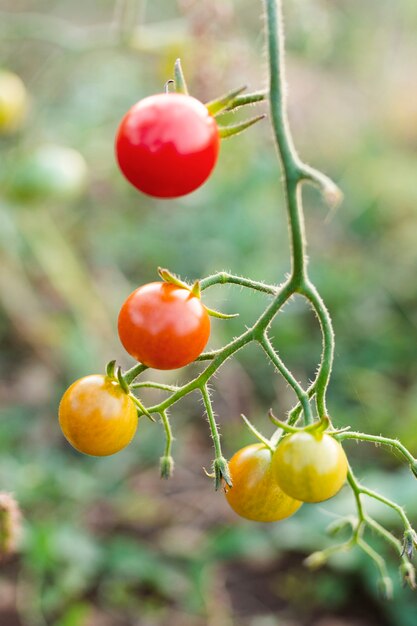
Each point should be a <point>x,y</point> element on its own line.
<point>296,173</point>
<point>166,461</point>
<point>220,465</point>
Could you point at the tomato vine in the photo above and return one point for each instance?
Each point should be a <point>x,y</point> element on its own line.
<point>296,174</point>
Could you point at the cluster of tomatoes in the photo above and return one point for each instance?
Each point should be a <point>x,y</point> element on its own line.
<point>167,146</point>
<point>271,484</point>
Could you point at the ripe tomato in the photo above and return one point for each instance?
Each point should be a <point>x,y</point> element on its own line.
<point>310,467</point>
<point>163,326</point>
<point>167,145</point>
<point>97,416</point>
<point>13,102</point>
<point>255,493</point>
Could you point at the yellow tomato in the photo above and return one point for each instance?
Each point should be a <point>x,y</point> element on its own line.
<point>310,467</point>
<point>13,102</point>
<point>97,416</point>
<point>255,494</point>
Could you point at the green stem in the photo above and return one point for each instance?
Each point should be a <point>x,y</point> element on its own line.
<point>168,433</point>
<point>359,489</point>
<point>220,466</point>
<point>393,505</point>
<point>222,278</point>
<point>248,98</point>
<point>286,374</point>
<point>380,564</point>
<point>378,439</point>
<point>266,442</point>
<point>326,363</point>
<point>356,493</point>
<point>290,161</point>
<point>166,461</point>
<point>134,372</point>
<point>151,385</point>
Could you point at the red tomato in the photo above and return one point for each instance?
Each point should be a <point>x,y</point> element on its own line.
<point>163,326</point>
<point>167,145</point>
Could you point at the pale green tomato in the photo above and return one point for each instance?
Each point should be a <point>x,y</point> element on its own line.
<point>50,172</point>
<point>310,467</point>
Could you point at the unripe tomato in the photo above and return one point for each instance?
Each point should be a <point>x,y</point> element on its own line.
<point>255,494</point>
<point>13,102</point>
<point>167,145</point>
<point>163,326</point>
<point>310,467</point>
<point>50,172</point>
<point>97,416</point>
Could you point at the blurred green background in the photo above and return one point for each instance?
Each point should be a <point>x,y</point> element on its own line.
<point>105,542</point>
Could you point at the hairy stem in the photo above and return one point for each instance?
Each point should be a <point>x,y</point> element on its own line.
<point>286,374</point>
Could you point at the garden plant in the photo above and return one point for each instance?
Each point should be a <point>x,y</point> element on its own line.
<point>167,146</point>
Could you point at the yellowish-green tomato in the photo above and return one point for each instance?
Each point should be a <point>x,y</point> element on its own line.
<point>13,102</point>
<point>97,416</point>
<point>49,173</point>
<point>255,494</point>
<point>310,467</point>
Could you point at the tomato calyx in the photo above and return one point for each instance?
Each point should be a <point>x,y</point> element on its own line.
<point>195,290</point>
<point>173,279</point>
<point>317,429</point>
<point>179,78</point>
<point>235,129</point>
<point>226,103</point>
<point>409,543</point>
<point>220,473</point>
<point>166,467</point>
<point>114,373</point>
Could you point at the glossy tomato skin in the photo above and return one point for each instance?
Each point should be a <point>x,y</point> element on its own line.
<point>310,467</point>
<point>255,494</point>
<point>167,145</point>
<point>163,326</point>
<point>97,417</point>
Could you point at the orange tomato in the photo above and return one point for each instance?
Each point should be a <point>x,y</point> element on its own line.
<point>255,494</point>
<point>97,417</point>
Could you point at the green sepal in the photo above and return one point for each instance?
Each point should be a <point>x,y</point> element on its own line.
<point>409,543</point>
<point>111,369</point>
<point>122,382</point>
<point>222,316</point>
<point>246,99</point>
<point>166,466</point>
<point>169,277</point>
<point>235,129</point>
<point>196,290</point>
<point>141,408</point>
<point>179,78</point>
<point>224,102</point>
<point>285,427</point>
<point>221,473</point>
